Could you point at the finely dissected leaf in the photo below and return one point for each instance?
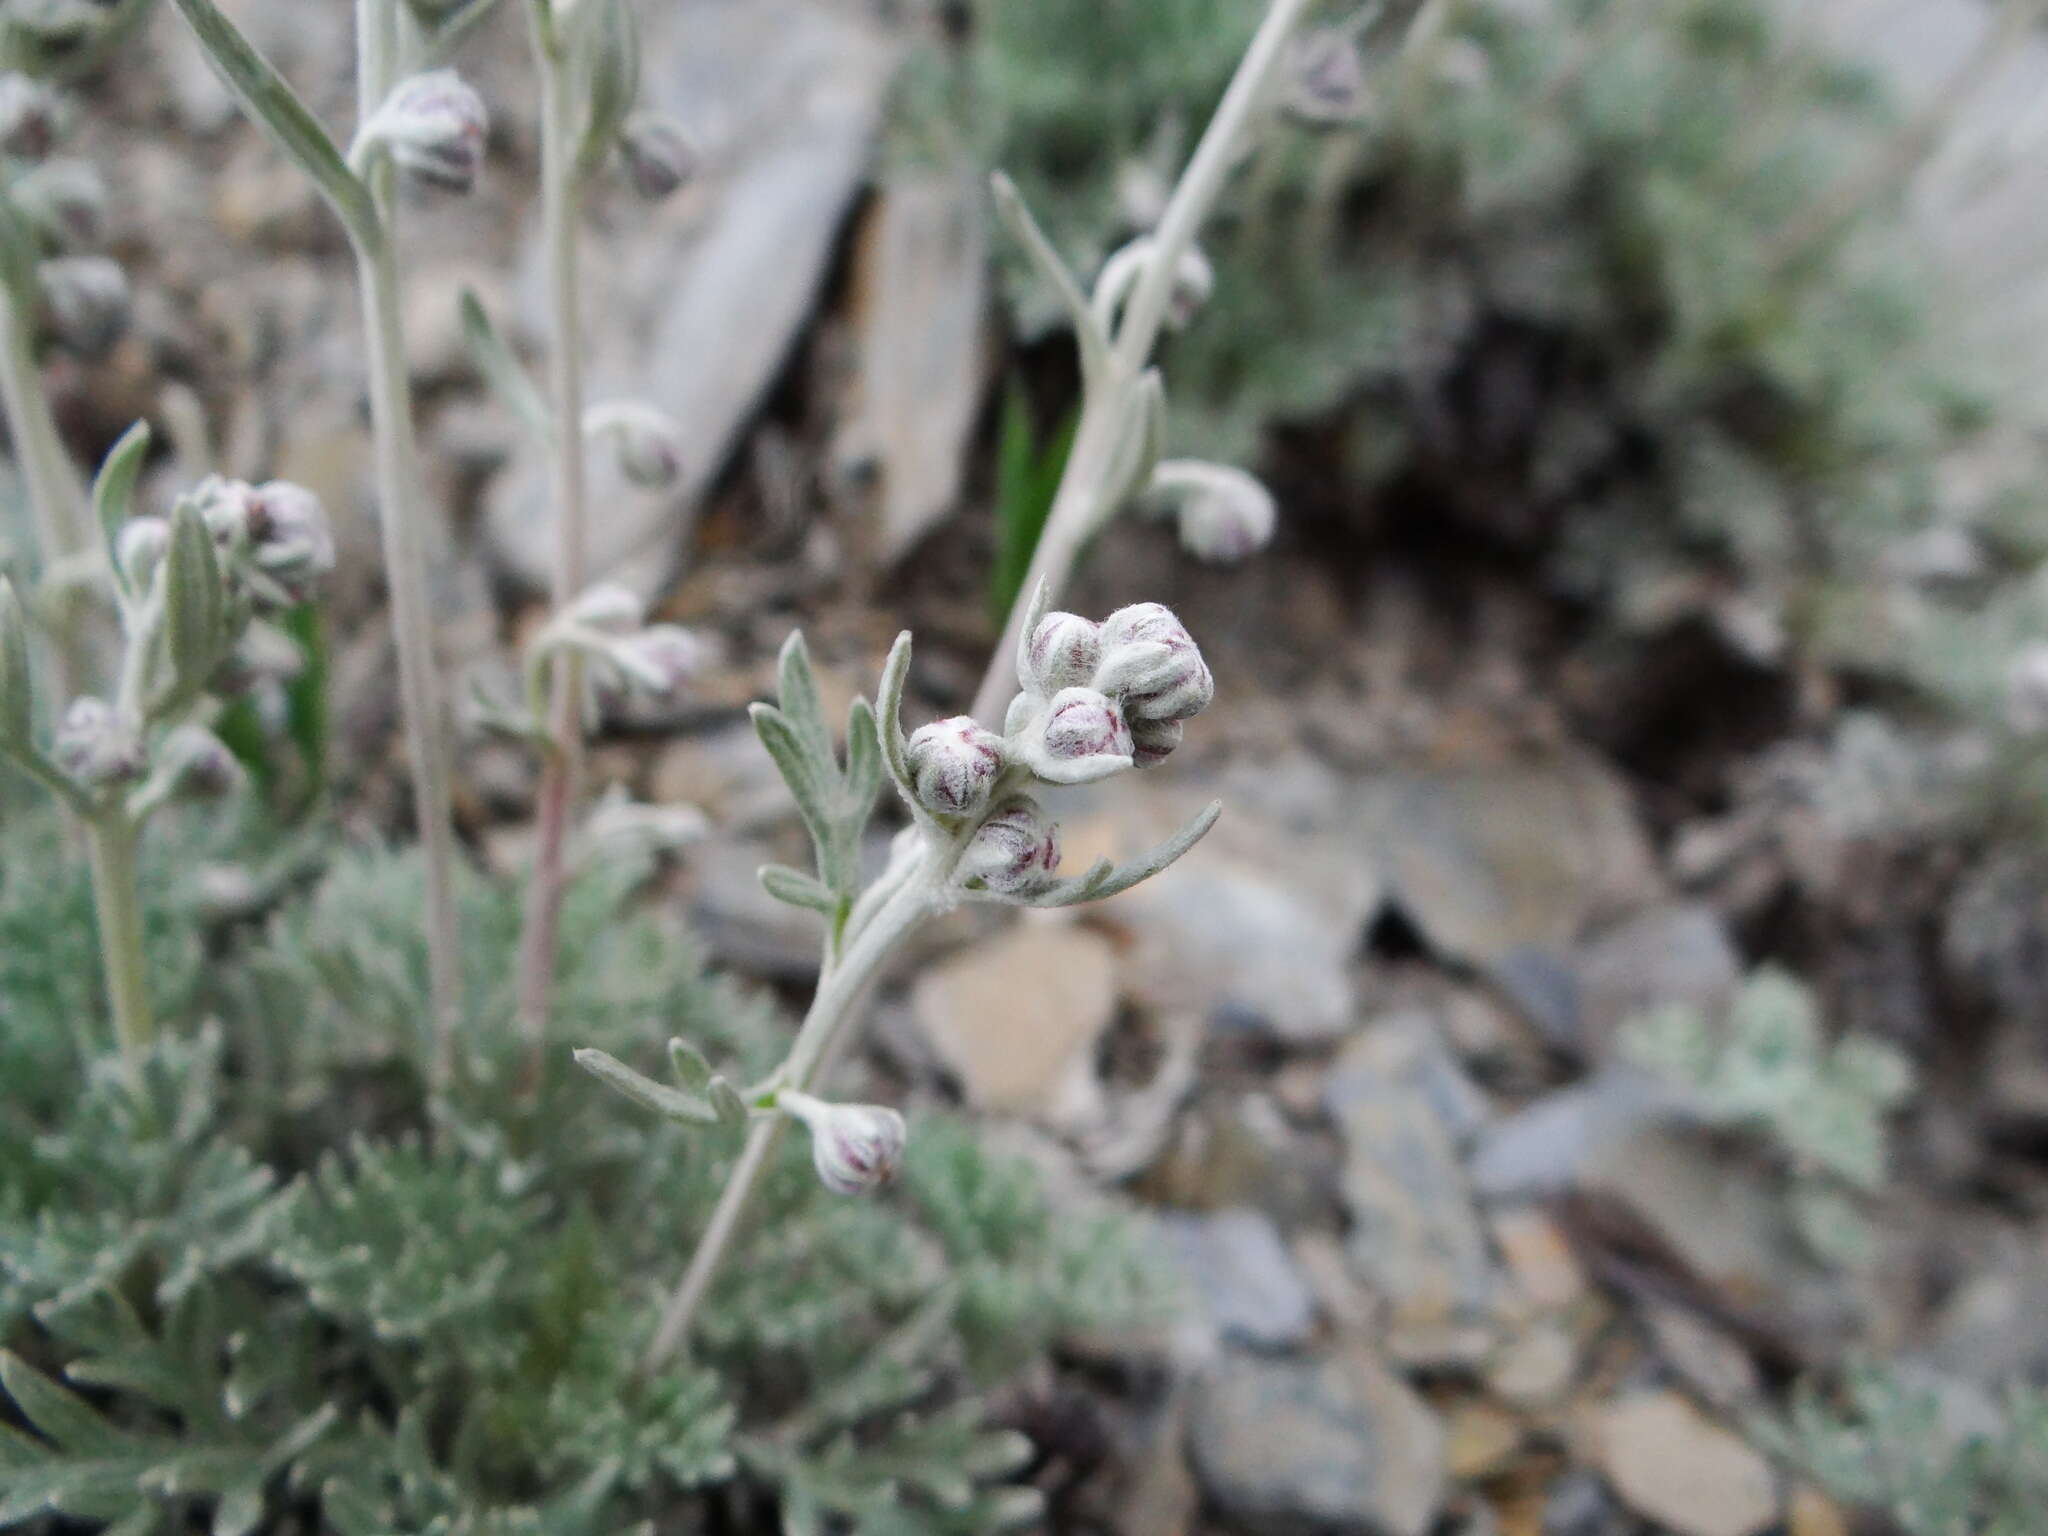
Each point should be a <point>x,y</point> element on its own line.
<point>804,774</point>
<point>113,490</point>
<point>501,368</point>
<point>276,108</point>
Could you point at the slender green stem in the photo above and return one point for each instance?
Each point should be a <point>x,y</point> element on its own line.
<point>1077,508</point>
<point>419,683</point>
<point>561,200</point>
<point>110,841</point>
<point>841,990</point>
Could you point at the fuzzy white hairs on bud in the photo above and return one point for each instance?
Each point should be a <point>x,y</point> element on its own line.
<point>648,441</point>
<point>275,537</point>
<point>1014,850</point>
<point>433,126</point>
<point>1224,514</point>
<point>98,745</point>
<point>1062,652</point>
<point>1081,723</point>
<point>856,1148</point>
<point>954,765</point>
<point>657,155</point>
<point>1194,281</point>
<point>1159,671</point>
<point>140,550</point>
<point>196,763</point>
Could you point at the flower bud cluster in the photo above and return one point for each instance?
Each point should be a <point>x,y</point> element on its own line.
<point>648,442</point>
<point>274,539</point>
<point>635,666</point>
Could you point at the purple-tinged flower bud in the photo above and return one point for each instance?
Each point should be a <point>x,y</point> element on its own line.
<point>1224,513</point>
<point>608,608</point>
<point>198,763</point>
<point>1062,653</point>
<point>954,764</point>
<point>856,1148</point>
<point>98,745</point>
<point>228,509</point>
<point>657,155</point>
<point>2026,690</point>
<point>1083,723</point>
<point>65,201</point>
<point>140,550</point>
<point>434,127</point>
<point>1325,79</point>
<point>1013,850</point>
<point>1154,741</point>
<point>30,113</point>
<point>85,303</point>
<point>1171,682</point>
<point>661,660</point>
<point>1194,282</point>
<point>289,537</point>
<point>648,441</point>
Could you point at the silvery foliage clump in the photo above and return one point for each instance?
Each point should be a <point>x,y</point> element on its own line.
<point>1893,1440</point>
<point>1094,700</point>
<point>193,592</point>
<point>1765,1067</point>
<point>53,215</point>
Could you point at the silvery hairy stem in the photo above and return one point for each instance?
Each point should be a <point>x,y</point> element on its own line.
<point>1078,506</point>
<point>56,494</point>
<point>561,189</point>
<point>404,537</point>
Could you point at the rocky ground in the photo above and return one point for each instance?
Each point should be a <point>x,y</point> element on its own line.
<point>1454,1265</point>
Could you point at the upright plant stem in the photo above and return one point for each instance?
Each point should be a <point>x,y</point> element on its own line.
<point>110,843</point>
<point>404,539</point>
<point>1077,508</point>
<point>561,202</point>
<point>841,990</point>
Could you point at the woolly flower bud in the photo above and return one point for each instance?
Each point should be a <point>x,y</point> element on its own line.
<point>198,763</point>
<point>657,155</point>
<point>29,117</point>
<point>434,127</point>
<point>856,1148</point>
<point>1224,513</point>
<point>1082,723</point>
<point>97,745</point>
<point>1325,78</point>
<point>1013,850</point>
<point>1062,653</point>
<point>1194,280</point>
<point>608,608</point>
<point>140,549</point>
<point>2026,690</point>
<point>954,765</point>
<point>649,443</point>
<point>85,302</point>
<point>289,536</point>
<point>1153,664</point>
<point>661,659</point>
<point>1153,741</point>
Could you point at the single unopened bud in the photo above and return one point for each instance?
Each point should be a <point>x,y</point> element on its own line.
<point>856,1148</point>
<point>657,155</point>
<point>1015,849</point>
<point>1154,741</point>
<point>140,550</point>
<point>98,745</point>
<point>1063,652</point>
<point>1081,723</point>
<point>30,115</point>
<point>661,659</point>
<point>228,508</point>
<point>1325,79</point>
<point>1224,513</point>
<point>954,765</point>
<point>289,538</point>
<point>608,608</point>
<point>2026,690</point>
<point>1160,674</point>
<point>17,685</point>
<point>65,201</point>
<point>648,442</point>
<point>85,302</point>
<point>433,125</point>
<point>1194,281</point>
<point>197,763</point>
